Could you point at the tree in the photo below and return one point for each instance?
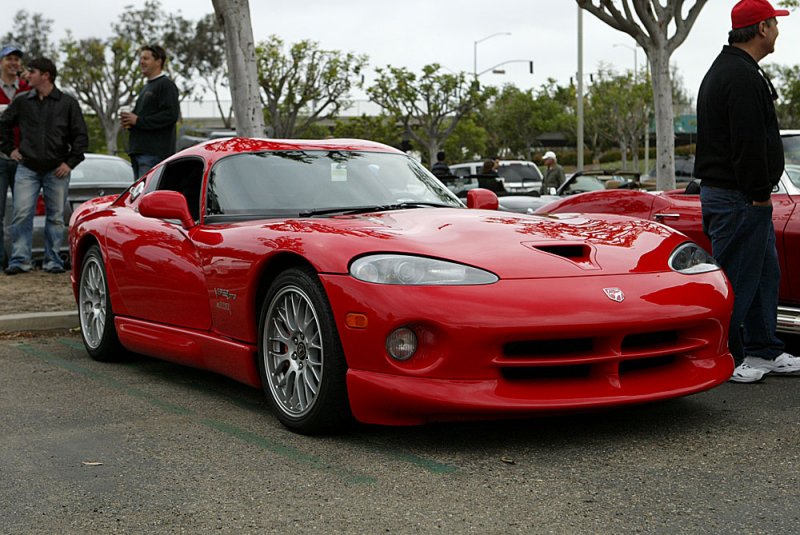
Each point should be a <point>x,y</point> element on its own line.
<point>468,141</point>
<point>306,85</point>
<point>787,84</point>
<point>381,128</point>
<point>234,19</point>
<point>520,117</point>
<point>103,76</point>
<point>623,106</point>
<point>649,23</point>
<point>429,107</point>
<point>104,73</point>
<point>32,33</point>
<point>209,62</point>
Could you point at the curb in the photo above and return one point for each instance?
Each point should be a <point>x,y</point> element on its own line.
<point>39,321</point>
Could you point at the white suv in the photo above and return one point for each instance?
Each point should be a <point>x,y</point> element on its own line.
<point>517,175</point>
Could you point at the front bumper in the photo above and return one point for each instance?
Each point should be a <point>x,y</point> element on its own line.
<point>525,346</point>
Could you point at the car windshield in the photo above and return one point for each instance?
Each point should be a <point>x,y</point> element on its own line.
<point>286,183</point>
<point>516,172</point>
<point>791,153</point>
<point>582,184</point>
<point>102,171</point>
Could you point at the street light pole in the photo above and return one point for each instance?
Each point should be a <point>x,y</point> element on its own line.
<point>475,51</point>
<point>580,89</point>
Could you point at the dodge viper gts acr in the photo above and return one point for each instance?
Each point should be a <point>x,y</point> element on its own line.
<point>347,282</point>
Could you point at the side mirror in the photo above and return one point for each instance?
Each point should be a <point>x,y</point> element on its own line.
<point>166,205</point>
<point>482,199</point>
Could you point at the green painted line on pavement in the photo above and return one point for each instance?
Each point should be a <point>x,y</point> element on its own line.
<point>223,427</point>
<point>386,450</point>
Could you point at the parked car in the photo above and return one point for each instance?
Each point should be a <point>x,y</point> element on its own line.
<point>579,182</point>
<point>680,209</point>
<point>684,173</point>
<point>517,175</point>
<point>97,175</point>
<point>345,281</point>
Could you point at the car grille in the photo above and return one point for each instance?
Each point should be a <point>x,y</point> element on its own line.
<point>619,354</point>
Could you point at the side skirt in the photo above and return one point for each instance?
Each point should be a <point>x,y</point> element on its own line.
<point>202,350</point>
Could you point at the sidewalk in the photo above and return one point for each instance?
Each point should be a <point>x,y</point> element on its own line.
<point>36,301</point>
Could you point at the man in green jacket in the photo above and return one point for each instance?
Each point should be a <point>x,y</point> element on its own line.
<point>152,122</point>
<point>553,174</point>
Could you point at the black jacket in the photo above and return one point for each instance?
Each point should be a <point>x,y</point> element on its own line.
<point>157,109</point>
<point>738,139</point>
<point>52,130</point>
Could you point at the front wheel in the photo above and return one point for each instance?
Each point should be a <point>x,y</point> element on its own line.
<point>301,361</point>
<point>94,308</point>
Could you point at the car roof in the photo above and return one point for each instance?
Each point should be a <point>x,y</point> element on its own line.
<point>236,145</point>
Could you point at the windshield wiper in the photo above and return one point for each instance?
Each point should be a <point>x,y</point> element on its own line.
<point>372,208</point>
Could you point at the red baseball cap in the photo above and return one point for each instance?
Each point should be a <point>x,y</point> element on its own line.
<point>748,12</point>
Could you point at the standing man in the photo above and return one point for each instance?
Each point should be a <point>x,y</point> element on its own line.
<point>553,174</point>
<point>152,122</point>
<point>739,160</point>
<point>10,67</point>
<point>440,168</point>
<point>53,139</point>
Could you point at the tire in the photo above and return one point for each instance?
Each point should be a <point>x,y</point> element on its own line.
<point>300,356</point>
<point>94,310</point>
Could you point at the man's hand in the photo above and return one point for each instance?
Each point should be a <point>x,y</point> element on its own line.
<point>768,202</point>
<point>16,155</point>
<point>128,119</point>
<point>62,170</point>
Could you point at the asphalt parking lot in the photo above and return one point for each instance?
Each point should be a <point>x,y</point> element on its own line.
<point>148,446</point>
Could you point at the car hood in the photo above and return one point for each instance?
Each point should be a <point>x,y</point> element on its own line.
<point>509,245</point>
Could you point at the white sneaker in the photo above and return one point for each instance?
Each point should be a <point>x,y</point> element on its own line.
<point>784,364</point>
<point>744,373</point>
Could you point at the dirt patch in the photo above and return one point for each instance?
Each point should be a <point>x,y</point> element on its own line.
<point>36,291</point>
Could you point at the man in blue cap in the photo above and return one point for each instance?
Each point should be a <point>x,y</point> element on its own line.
<point>12,85</point>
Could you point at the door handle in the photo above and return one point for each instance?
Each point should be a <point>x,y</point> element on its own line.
<point>659,217</point>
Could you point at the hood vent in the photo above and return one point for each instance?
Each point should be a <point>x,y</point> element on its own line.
<point>571,251</point>
<point>580,254</point>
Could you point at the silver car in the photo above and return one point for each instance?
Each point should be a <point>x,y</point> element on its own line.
<point>97,175</point>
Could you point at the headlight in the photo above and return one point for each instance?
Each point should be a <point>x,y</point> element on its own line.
<point>416,271</point>
<point>690,258</point>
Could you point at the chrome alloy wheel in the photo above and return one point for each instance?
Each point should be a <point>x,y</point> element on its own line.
<point>92,302</point>
<point>293,351</point>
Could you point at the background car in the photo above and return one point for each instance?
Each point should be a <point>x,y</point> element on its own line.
<point>681,210</point>
<point>579,182</point>
<point>96,175</point>
<point>347,282</point>
<point>517,175</point>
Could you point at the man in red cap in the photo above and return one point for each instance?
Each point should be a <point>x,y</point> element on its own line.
<point>739,160</point>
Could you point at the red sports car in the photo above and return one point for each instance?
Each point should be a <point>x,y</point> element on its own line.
<point>346,281</point>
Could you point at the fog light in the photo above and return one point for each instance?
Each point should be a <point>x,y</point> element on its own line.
<point>402,344</point>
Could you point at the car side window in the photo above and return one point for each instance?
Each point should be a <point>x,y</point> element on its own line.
<point>186,177</point>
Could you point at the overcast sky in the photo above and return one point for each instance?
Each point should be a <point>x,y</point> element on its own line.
<point>413,33</point>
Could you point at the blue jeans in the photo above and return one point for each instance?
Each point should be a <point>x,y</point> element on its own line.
<point>142,163</point>
<point>743,242</point>
<point>7,170</point>
<point>27,184</point>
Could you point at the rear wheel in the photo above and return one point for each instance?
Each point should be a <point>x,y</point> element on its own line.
<point>94,308</point>
<point>301,360</point>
